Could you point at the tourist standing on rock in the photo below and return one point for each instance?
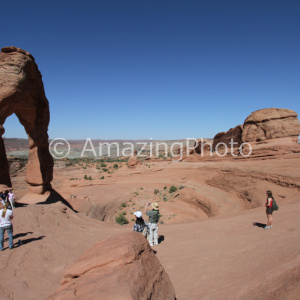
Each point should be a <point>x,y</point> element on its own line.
<point>6,215</point>
<point>153,220</point>
<point>3,197</point>
<point>269,209</point>
<point>140,224</point>
<point>11,198</point>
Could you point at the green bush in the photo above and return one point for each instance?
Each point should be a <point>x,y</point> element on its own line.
<point>156,191</point>
<point>172,189</point>
<point>115,166</point>
<point>85,177</point>
<point>103,165</point>
<point>121,219</point>
<point>102,177</point>
<point>123,204</point>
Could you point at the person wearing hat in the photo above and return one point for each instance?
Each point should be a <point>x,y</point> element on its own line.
<point>153,220</point>
<point>140,224</point>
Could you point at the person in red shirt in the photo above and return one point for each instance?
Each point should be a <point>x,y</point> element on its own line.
<point>269,209</point>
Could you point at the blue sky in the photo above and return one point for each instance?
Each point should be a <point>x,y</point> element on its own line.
<point>157,69</point>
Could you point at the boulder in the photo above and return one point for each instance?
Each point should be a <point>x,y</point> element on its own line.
<point>22,92</point>
<point>271,123</point>
<point>119,267</point>
<point>133,161</point>
<point>225,138</point>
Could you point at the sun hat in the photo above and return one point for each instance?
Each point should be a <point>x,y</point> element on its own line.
<point>138,214</point>
<point>155,205</point>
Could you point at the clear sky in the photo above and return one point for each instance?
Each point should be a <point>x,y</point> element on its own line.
<point>139,69</point>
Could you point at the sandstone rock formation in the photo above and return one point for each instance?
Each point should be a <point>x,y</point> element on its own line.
<point>271,123</point>
<point>262,125</point>
<point>22,92</point>
<point>119,267</point>
<point>232,135</point>
<point>133,161</point>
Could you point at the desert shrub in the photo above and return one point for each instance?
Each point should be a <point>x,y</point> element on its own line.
<point>165,199</point>
<point>156,191</point>
<point>102,165</point>
<point>90,178</point>
<point>123,204</point>
<point>105,170</point>
<point>162,222</point>
<point>124,213</point>
<point>116,166</point>
<point>172,189</point>
<point>165,188</point>
<point>121,219</point>
<point>85,177</point>
<point>132,220</point>
<point>97,167</point>
<point>102,177</point>
<point>181,187</point>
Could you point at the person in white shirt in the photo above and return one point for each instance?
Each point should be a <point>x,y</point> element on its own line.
<point>11,198</point>
<point>6,215</point>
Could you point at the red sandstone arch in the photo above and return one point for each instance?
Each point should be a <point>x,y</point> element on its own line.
<point>22,92</point>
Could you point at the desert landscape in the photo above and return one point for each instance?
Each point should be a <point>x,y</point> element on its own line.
<point>73,221</point>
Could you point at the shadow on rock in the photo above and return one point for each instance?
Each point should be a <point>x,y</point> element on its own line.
<point>18,235</point>
<point>26,241</point>
<point>56,197</point>
<point>19,204</point>
<point>261,225</point>
<point>161,238</point>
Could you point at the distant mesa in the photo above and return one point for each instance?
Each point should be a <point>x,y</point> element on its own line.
<point>22,92</point>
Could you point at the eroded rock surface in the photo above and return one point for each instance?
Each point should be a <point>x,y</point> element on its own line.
<point>22,92</point>
<point>119,267</point>
<point>263,125</point>
<point>271,123</point>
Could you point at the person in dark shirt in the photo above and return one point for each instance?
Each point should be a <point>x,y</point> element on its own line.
<point>153,220</point>
<point>140,224</point>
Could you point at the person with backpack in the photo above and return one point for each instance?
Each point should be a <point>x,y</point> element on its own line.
<point>153,220</point>
<point>271,205</point>
<point>140,224</point>
<point>6,215</point>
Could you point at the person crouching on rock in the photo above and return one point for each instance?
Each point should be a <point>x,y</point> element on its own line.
<point>140,224</point>
<point>6,215</point>
<point>153,220</point>
<point>269,209</point>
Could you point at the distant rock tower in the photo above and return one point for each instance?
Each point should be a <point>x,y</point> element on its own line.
<point>22,92</point>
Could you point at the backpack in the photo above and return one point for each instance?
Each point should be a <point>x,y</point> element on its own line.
<point>274,205</point>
